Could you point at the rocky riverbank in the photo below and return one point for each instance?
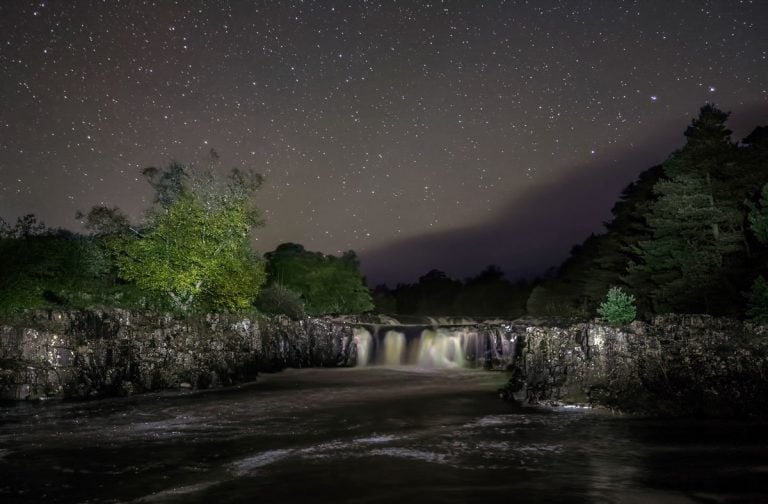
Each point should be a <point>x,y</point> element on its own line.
<point>675,365</point>
<point>91,353</point>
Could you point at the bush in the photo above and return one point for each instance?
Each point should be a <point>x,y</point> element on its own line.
<point>618,307</point>
<point>279,299</point>
<point>758,301</point>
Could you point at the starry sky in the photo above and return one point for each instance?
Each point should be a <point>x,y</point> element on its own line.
<point>421,134</point>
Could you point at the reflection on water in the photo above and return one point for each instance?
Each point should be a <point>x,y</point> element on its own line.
<point>368,435</point>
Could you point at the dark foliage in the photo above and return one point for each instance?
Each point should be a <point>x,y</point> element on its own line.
<point>489,294</point>
<point>686,237</point>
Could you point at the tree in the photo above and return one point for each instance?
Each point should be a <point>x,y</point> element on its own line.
<point>618,307</point>
<point>327,284</point>
<point>194,248</point>
<point>692,229</point>
<point>104,221</point>
<point>42,267</point>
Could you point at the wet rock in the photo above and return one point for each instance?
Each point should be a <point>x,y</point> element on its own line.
<point>92,353</point>
<point>674,365</point>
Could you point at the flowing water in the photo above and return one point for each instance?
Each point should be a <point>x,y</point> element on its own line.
<point>368,435</point>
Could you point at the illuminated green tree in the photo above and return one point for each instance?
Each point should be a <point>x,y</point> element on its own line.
<point>618,307</point>
<point>194,249</point>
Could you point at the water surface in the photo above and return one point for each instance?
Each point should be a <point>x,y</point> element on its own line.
<point>370,435</point>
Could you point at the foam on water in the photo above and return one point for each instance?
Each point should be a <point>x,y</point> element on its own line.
<point>376,439</point>
<point>176,491</point>
<point>246,465</point>
<point>409,453</point>
<point>363,340</point>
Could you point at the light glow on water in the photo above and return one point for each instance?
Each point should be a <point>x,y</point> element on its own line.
<point>440,348</point>
<point>364,342</point>
<point>433,347</point>
<point>394,348</point>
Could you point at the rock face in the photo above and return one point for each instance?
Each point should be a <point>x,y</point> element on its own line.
<point>695,365</point>
<point>676,365</point>
<point>95,353</point>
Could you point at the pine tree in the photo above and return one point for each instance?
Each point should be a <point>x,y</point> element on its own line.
<point>693,225</point>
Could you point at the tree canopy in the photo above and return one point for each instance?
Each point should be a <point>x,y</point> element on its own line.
<point>194,246</point>
<point>326,283</point>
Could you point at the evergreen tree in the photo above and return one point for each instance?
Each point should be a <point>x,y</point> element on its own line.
<point>618,307</point>
<point>692,229</point>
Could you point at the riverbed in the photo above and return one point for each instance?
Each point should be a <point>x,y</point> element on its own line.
<point>371,435</point>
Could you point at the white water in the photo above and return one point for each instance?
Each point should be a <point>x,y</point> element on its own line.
<point>394,348</point>
<point>435,347</point>
<point>440,348</point>
<point>363,340</point>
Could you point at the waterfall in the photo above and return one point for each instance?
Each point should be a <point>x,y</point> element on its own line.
<point>440,348</point>
<point>363,340</point>
<point>475,345</point>
<point>394,348</point>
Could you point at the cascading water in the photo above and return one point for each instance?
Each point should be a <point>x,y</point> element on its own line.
<point>440,348</point>
<point>394,348</point>
<point>364,342</point>
<point>435,346</point>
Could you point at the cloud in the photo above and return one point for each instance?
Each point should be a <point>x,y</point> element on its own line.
<point>537,231</point>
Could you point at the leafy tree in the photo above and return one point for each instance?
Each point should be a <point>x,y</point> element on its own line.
<point>105,221</point>
<point>194,248</point>
<point>384,299</point>
<point>42,267</point>
<point>618,307</point>
<point>327,284</point>
<point>490,294</point>
<point>26,226</point>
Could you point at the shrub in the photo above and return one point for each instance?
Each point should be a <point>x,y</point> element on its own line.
<point>279,299</point>
<point>758,301</point>
<point>618,307</point>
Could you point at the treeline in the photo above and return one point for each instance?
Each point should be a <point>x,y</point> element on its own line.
<point>488,294</point>
<point>192,253</point>
<point>688,236</point>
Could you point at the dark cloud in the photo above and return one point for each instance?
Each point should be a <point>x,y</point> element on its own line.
<point>536,231</point>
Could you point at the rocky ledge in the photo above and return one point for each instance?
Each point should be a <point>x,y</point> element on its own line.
<point>674,365</point>
<point>92,353</point>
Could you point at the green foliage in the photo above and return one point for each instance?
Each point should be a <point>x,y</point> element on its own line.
<point>200,259</point>
<point>103,221</point>
<point>695,224</point>
<point>279,299</point>
<point>50,268</point>
<point>580,283</point>
<point>758,216</point>
<point>327,284</point>
<point>758,301</point>
<point>488,294</point>
<point>618,307</point>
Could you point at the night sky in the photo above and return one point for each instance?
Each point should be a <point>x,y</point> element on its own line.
<point>442,134</point>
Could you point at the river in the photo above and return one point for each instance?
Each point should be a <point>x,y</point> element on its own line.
<point>371,435</point>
